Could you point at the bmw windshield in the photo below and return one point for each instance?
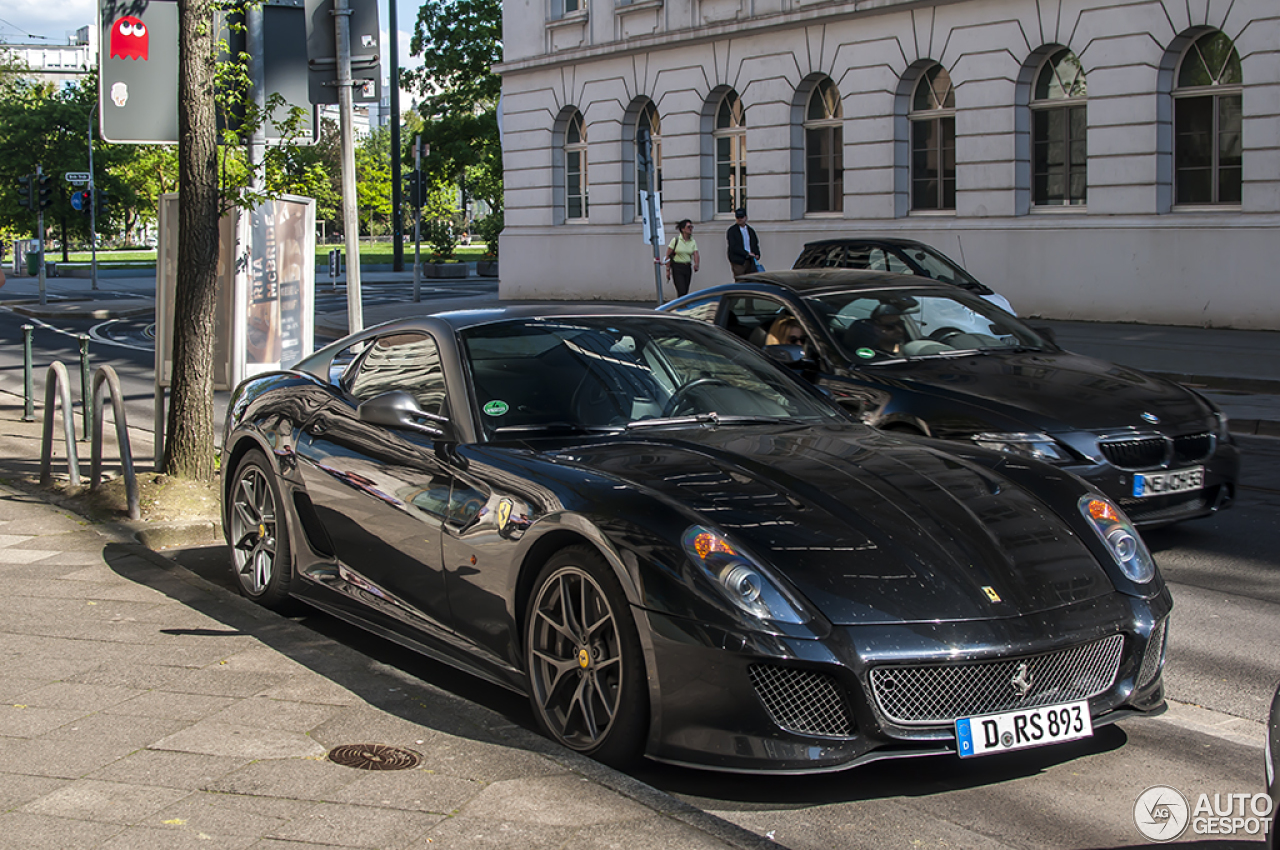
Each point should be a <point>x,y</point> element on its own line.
<point>915,324</point>
<point>615,373</point>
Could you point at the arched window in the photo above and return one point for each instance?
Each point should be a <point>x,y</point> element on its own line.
<point>1207,123</point>
<point>575,169</point>
<point>1059,154</point>
<point>648,123</point>
<point>824,150</point>
<point>730,136</point>
<point>933,141</point>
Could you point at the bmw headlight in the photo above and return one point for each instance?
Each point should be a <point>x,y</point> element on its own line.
<point>1120,538</point>
<point>1032,444</point>
<point>744,583</point>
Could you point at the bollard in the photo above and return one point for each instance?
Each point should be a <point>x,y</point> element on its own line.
<point>28,385</point>
<point>84,387</point>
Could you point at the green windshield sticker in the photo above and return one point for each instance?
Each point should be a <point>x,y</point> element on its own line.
<point>496,408</point>
<point>865,353</point>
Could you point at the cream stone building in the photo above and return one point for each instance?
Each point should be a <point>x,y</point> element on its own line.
<point>1095,160</point>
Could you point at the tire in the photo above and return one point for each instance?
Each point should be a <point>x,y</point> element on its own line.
<point>261,557</point>
<point>586,680</point>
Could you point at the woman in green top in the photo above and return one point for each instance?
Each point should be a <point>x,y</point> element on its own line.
<point>682,258</point>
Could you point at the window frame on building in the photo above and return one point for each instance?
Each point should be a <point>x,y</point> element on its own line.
<point>1059,122</point>
<point>575,164</point>
<point>823,149</point>
<point>938,115</point>
<point>729,142</point>
<point>1224,117</point>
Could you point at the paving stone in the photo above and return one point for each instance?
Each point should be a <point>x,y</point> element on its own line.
<point>469,759</point>
<point>222,739</point>
<point>112,802</point>
<point>298,779</point>
<point>222,682</point>
<point>73,695</point>
<point>174,706</point>
<point>416,790</point>
<point>41,832</point>
<point>112,730</point>
<point>13,688</point>
<point>45,757</point>
<point>25,556</point>
<point>313,689</point>
<point>554,800</point>
<point>275,714</point>
<point>170,769</point>
<point>650,831</point>
<point>231,814</point>
<point>470,834</point>
<point>176,837</point>
<point>16,788</point>
<point>356,826</point>
<point>131,675</point>
<point>19,720</point>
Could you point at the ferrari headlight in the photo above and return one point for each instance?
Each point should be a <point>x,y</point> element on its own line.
<point>741,581</point>
<point>1032,444</point>
<point>1120,538</point>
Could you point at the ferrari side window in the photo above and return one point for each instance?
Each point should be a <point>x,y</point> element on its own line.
<point>703,308</point>
<point>405,361</point>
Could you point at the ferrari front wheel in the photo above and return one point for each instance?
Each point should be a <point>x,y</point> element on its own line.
<point>582,654</point>
<point>259,535</point>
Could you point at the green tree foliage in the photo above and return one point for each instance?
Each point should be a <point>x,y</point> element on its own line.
<point>373,181</point>
<point>460,40</point>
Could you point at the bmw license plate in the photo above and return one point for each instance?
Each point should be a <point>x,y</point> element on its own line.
<point>1017,730</point>
<point>1174,481</point>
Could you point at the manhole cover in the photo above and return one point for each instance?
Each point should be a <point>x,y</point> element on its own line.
<point>374,757</point>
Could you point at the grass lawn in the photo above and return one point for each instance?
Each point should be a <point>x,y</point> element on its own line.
<point>370,254</point>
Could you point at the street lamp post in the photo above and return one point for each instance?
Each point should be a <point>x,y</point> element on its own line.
<point>93,208</point>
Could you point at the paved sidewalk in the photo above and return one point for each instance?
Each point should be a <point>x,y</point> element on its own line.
<point>143,707</point>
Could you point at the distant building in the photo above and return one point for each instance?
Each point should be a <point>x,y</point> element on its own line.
<point>59,63</point>
<point>1092,159</point>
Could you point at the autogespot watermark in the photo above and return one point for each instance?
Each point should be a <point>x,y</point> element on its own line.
<point>1162,813</point>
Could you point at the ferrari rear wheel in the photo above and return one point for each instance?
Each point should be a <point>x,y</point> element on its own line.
<point>585,667</point>
<point>260,553</point>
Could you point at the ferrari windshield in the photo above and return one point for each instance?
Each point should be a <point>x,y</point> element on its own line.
<point>624,372</point>
<point>913,324</point>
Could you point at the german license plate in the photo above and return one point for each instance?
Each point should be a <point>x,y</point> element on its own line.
<point>1018,730</point>
<point>1173,481</point>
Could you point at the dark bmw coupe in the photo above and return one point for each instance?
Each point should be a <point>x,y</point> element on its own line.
<point>679,549</point>
<point>929,358</point>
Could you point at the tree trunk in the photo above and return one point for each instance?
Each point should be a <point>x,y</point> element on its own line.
<point>189,443</point>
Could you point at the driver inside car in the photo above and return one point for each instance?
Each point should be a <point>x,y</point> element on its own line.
<point>883,331</point>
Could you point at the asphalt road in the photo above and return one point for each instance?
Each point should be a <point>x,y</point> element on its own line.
<point>1222,656</point>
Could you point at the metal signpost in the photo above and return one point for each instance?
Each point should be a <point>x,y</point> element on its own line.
<point>651,211</point>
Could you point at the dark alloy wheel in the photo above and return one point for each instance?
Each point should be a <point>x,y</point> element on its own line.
<point>584,661</point>
<point>259,537</point>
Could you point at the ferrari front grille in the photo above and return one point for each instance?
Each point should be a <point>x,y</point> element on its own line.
<point>936,694</point>
<point>803,701</point>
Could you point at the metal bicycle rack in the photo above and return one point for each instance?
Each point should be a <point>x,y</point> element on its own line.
<point>105,378</point>
<point>56,380</point>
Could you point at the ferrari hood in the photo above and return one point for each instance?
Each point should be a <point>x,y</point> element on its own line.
<point>1054,391</point>
<point>871,529</point>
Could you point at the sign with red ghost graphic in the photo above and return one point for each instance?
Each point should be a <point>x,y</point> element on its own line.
<point>138,71</point>
<point>129,38</point>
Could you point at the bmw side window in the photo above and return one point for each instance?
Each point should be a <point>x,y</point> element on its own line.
<point>406,361</point>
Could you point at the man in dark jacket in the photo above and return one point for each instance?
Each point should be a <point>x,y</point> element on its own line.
<point>744,245</point>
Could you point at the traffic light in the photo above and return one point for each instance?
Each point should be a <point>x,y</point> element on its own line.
<point>415,189</point>
<point>44,191</point>
<point>102,202</point>
<point>24,192</point>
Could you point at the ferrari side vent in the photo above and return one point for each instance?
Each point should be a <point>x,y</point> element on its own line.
<point>1153,658</point>
<point>312,527</point>
<point>803,701</point>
